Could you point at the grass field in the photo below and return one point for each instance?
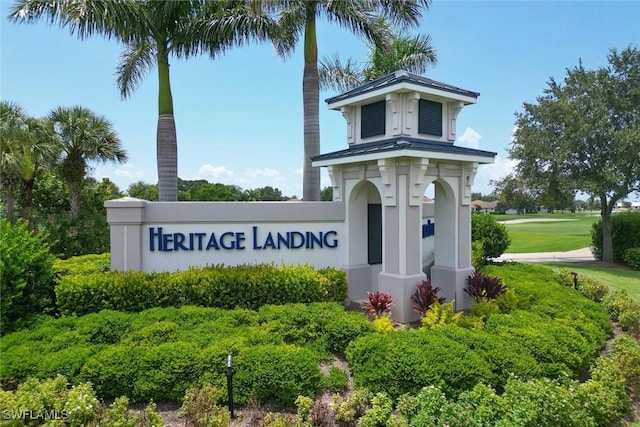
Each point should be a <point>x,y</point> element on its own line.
<point>549,236</point>
<point>616,277</point>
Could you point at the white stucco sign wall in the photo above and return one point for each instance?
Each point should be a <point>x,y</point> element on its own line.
<point>170,247</point>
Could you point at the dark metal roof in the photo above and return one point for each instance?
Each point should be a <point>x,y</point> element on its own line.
<point>402,143</point>
<point>400,77</point>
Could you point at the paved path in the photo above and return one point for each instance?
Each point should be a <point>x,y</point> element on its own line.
<point>578,255</point>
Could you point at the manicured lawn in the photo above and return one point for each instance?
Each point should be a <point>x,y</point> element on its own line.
<point>614,277</point>
<point>551,236</point>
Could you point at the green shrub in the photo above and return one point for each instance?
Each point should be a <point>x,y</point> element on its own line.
<point>440,315</point>
<point>159,353</point>
<point>242,286</point>
<point>554,343</point>
<point>38,402</point>
<point>281,373</point>
<point>617,302</point>
<point>379,413</point>
<point>544,402</point>
<point>200,408</point>
<point>407,360</point>
<point>83,264</point>
<point>542,290</point>
<point>26,279</point>
<point>336,381</point>
<point>338,286</point>
<point>625,234</point>
<point>326,327</point>
<point>590,288</point>
<point>477,255</point>
<point>632,257</point>
<point>504,357</point>
<point>494,236</point>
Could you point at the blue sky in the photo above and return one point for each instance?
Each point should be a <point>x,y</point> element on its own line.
<point>239,118</point>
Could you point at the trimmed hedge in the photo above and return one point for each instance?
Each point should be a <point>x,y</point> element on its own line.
<point>625,234</point>
<point>83,264</point>
<point>159,353</point>
<point>245,286</point>
<point>558,335</point>
<point>632,257</point>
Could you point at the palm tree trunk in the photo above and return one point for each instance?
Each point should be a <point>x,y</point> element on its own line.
<point>311,102</point>
<point>11,201</point>
<point>74,199</point>
<point>166,139</point>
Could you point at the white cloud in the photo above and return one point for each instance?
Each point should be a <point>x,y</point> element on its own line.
<point>133,175</point>
<point>220,173</point>
<point>495,171</point>
<point>470,137</point>
<point>264,172</point>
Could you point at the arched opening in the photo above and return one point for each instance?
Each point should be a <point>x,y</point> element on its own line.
<point>365,241</point>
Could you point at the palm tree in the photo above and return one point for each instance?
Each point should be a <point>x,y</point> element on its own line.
<point>83,136</point>
<point>411,53</point>
<point>25,144</point>
<point>153,31</point>
<point>298,18</point>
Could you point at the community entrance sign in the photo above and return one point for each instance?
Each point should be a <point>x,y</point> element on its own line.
<point>400,133</point>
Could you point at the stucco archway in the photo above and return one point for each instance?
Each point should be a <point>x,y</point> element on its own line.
<point>362,270</point>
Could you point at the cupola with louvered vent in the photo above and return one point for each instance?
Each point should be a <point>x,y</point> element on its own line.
<point>402,104</point>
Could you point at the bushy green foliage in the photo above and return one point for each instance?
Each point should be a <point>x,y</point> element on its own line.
<point>545,294</point>
<point>407,360</point>
<point>379,413</point>
<point>325,327</point>
<point>200,407</point>
<point>587,286</point>
<point>440,315</point>
<point>477,255</point>
<point>383,324</point>
<point>26,278</point>
<point>280,372</point>
<point>159,353</point>
<point>540,328</point>
<point>632,257</point>
<point>41,401</point>
<point>336,381</point>
<point>538,402</point>
<point>83,264</point>
<point>244,286</point>
<point>494,236</point>
<point>349,410</point>
<point>625,234</point>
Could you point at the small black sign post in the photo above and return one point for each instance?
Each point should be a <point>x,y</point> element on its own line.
<point>230,384</point>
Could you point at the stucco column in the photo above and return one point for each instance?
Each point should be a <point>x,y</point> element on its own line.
<point>402,256</point>
<point>125,217</point>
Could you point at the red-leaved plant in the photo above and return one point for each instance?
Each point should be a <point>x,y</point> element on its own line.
<point>379,304</point>
<point>484,288</point>
<point>424,297</point>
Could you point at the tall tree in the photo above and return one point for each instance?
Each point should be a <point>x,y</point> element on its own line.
<point>25,144</point>
<point>152,32</point>
<point>587,131</point>
<point>84,137</point>
<point>298,18</point>
<point>413,53</point>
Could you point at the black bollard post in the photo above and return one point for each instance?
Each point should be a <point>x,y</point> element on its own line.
<point>575,280</point>
<point>230,384</point>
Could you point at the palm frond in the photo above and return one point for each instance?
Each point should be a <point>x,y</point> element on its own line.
<point>358,17</point>
<point>134,63</point>
<point>340,77</point>
<point>84,18</point>
<point>403,14</point>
